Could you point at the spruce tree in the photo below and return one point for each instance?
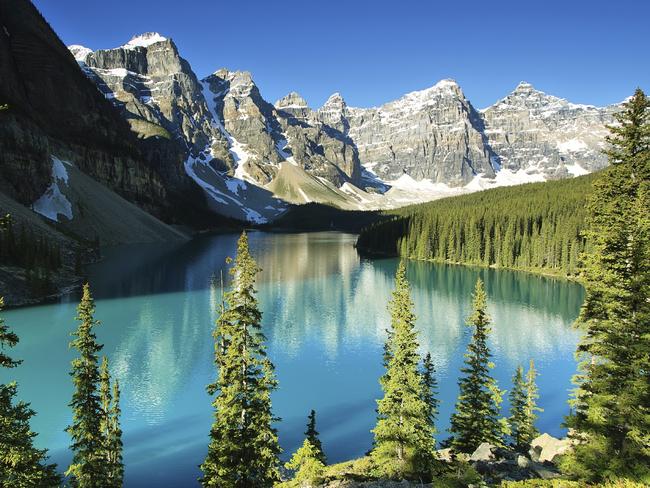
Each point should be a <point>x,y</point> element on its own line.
<point>243,450</point>
<point>403,436</point>
<point>612,400</point>
<point>110,427</point>
<point>476,419</point>
<point>430,390</point>
<point>21,464</point>
<point>523,408</point>
<point>88,468</point>
<point>312,436</point>
<point>307,466</point>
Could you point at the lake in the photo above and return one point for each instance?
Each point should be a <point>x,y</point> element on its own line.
<point>324,317</point>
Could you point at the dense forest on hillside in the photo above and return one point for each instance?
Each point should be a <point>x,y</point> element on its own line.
<point>534,226</point>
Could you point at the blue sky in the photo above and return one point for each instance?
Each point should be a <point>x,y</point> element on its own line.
<point>374,51</point>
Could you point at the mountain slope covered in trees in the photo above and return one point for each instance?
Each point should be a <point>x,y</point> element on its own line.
<point>537,226</point>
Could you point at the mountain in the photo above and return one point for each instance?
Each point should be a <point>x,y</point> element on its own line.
<point>253,158</point>
<point>432,134</point>
<point>548,136</point>
<point>138,120</point>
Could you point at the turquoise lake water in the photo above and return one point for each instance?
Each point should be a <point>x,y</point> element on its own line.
<point>325,319</point>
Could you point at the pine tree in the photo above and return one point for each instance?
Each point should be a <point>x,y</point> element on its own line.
<point>307,465</point>
<point>110,427</point>
<point>7,339</point>
<point>612,399</point>
<point>523,408</point>
<point>243,450</point>
<point>476,419</point>
<point>312,436</point>
<point>88,468</point>
<point>403,436</point>
<point>21,464</point>
<point>430,391</point>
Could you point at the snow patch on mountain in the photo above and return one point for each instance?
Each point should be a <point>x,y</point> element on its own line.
<point>572,145</point>
<point>53,202</point>
<point>576,170</point>
<point>79,52</point>
<point>144,40</point>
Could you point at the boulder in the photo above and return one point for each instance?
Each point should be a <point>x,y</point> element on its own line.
<point>446,455</point>
<point>484,452</point>
<point>523,462</point>
<point>547,448</point>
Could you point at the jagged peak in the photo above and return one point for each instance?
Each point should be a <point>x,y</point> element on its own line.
<point>79,52</point>
<point>291,100</point>
<point>524,85</point>
<point>447,85</point>
<point>335,99</point>
<point>525,95</point>
<point>144,40</point>
<point>230,75</point>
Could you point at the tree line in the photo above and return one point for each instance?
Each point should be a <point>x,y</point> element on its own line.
<point>21,247</point>
<point>533,226</point>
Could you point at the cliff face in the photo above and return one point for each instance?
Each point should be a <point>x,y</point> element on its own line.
<point>52,107</point>
<point>432,134</point>
<point>546,135</point>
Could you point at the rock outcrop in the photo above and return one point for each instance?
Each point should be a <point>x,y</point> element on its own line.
<point>546,448</point>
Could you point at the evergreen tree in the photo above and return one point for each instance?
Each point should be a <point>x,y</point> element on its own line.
<point>7,339</point>
<point>612,399</point>
<point>476,419</point>
<point>537,225</point>
<point>88,468</point>
<point>307,465</point>
<point>430,390</point>
<point>21,464</point>
<point>403,435</point>
<point>243,450</point>
<point>110,427</point>
<point>523,408</point>
<point>115,439</point>
<point>312,436</point>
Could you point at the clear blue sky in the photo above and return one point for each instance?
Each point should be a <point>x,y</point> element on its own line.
<point>589,51</point>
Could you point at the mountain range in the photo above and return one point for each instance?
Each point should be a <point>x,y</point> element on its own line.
<point>191,152</point>
<point>252,157</point>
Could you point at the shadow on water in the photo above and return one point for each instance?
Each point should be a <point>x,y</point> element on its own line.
<point>325,319</point>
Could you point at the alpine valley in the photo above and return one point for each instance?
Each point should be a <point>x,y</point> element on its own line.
<point>126,145</point>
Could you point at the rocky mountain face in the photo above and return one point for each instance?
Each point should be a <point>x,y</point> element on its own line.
<point>433,134</point>
<point>437,135</point>
<point>543,134</point>
<point>51,107</point>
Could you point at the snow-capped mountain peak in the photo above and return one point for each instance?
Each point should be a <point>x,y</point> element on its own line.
<point>144,40</point>
<point>292,100</point>
<point>80,52</point>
